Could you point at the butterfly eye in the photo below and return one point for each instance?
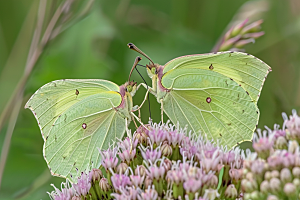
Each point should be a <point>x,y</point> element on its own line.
<point>153,70</point>
<point>129,88</point>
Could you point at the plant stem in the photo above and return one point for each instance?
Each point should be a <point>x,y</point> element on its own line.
<point>9,132</point>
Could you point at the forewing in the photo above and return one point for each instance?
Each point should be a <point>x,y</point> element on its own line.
<point>245,69</point>
<point>74,137</point>
<point>210,103</point>
<point>54,98</point>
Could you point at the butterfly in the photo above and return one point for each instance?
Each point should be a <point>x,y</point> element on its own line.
<point>76,116</point>
<point>213,94</point>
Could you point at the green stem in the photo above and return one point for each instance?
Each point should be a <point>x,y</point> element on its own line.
<point>93,193</point>
<point>159,186</point>
<point>176,154</point>
<point>9,132</point>
<point>97,189</point>
<point>191,196</point>
<point>178,190</point>
<point>109,177</point>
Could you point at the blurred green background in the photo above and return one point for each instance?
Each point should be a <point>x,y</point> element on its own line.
<point>94,46</point>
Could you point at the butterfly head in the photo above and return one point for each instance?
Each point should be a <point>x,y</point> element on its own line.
<point>152,69</point>
<point>130,87</point>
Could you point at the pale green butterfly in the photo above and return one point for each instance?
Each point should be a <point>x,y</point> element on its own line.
<point>215,93</point>
<point>76,116</point>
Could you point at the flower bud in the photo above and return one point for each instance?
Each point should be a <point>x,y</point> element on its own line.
<point>255,195</point>
<point>249,176</point>
<point>275,174</point>
<point>121,168</point>
<point>275,162</point>
<point>249,185</point>
<point>290,189</point>
<point>293,146</point>
<point>236,174</point>
<point>253,27</point>
<point>231,192</point>
<point>167,164</point>
<point>147,182</point>
<point>238,28</point>
<point>211,194</point>
<point>281,143</point>
<point>296,172</point>
<point>229,43</point>
<point>242,43</point>
<point>268,175</point>
<point>264,187</point>
<point>272,197</point>
<point>296,182</point>
<point>254,35</point>
<point>257,167</point>
<point>285,175</point>
<point>141,135</point>
<point>212,182</point>
<point>247,195</point>
<point>140,170</point>
<point>96,175</point>
<point>166,149</point>
<point>104,185</point>
<point>275,185</point>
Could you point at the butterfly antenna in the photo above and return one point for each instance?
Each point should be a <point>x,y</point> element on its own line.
<point>147,90</point>
<point>136,61</point>
<point>133,47</point>
<point>141,65</point>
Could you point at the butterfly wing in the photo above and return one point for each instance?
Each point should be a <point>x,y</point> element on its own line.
<point>245,69</point>
<point>211,103</point>
<point>75,117</point>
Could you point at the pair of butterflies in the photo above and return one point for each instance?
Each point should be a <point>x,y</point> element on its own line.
<point>213,94</point>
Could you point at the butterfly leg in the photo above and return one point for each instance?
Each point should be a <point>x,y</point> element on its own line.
<point>127,130</point>
<point>139,113</point>
<point>132,118</point>
<point>162,110</point>
<point>147,88</point>
<point>139,120</point>
<point>142,102</point>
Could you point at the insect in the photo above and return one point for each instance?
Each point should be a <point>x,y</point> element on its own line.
<point>214,94</point>
<point>75,116</point>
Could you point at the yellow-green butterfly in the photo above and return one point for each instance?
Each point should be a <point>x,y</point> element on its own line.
<point>76,116</point>
<point>215,93</point>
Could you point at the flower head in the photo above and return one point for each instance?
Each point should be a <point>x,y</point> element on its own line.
<point>120,181</point>
<point>66,192</point>
<point>83,185</point>
<point>109,158</point>
<point>157,133</point>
